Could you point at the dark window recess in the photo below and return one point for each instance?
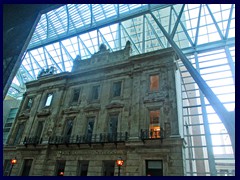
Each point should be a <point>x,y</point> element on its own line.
<point>68,128</point>
<point>82,168</point>
<point>6,167</point>
<point>154,168</point>
<point>60,166</point>
<point>19,133</point>
<point>95,92</point>
<point>113,123</point>
<point>49,99</point>
<point>76,93</point>
<point>154,83</point>
<point>39,129</point>
<point>90,126</point>
<point>108,168</point>
<point>29,103</point>
<point>117,89</point>
<point>27,167</point>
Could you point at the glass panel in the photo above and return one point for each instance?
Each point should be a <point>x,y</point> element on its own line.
<point>76,93</point>
<point>49,100</point>
<point>117,89</point>
<point>19,133</point>
<point>108,168</point>
<point>154,168</point>
<point>95,92</point>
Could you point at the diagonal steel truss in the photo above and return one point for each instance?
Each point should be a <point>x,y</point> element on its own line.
<point>197,32</point>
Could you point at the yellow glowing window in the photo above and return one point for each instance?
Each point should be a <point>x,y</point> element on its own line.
<point>154,83</point>
<point>154,127</point>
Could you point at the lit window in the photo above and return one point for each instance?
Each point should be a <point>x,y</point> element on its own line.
<point>154,127</point>
<point>49,99</point>
<point>154,83</point>
<point>117,88</point>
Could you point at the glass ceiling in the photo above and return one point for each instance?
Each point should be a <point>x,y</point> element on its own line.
<point>204,33</point>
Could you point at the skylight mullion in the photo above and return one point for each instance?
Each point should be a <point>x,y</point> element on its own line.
<point>51,58</point>
<point>130,39</point>
<point>177,22</point>
<point>63,65</point>
<point>85,46</point>
<point>29,54</point>
<point>229,22</point>
<point>106,42</point>
<point>198,23</point>
<point>153,29</point>
<point>66,51</point>
<point>215,22</point>
<point>185,31</point>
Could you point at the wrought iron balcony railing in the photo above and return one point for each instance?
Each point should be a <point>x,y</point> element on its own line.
<point>151,135</point>
<point>34,140</point>
<point>90,138</point>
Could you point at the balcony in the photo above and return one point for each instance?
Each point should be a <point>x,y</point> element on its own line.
<point>32,140</point>
<point>89,139</point>
<point>151,135</point>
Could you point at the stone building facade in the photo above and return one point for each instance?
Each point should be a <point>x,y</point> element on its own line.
<point>111,105</point>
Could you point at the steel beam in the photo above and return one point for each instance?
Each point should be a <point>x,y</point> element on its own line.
<point>217,105</point>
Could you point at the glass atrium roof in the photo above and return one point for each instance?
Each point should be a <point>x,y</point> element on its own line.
<point>204,32</point>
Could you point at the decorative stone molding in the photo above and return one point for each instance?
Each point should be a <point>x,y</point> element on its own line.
<point>92,107</point>
<point>44,112</point>
<point>24,115</point>
<point>70,110</point>
<point>114,105</point>
<point>155,97</point>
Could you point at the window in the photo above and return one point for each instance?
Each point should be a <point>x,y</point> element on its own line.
<point>68,127</point>
<point>7,166</point>
<point>108,168</point>
<point>29,103</point>
<point>49,99</point>
<point>82,168</point>
<point>19,133</point>
<point>90,126</point>
<point>117,89</point>
<point>154,127</point>
<point>60,166</point>
<point>95,92</point>
<point>39,129</point>
<point>75,96</point>
<point>113,122</point>
<point>154,83</point>
<point>154,168</point>
<point>8,124</point>
<point>26,167</point>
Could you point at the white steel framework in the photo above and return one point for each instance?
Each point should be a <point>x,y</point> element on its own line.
<point>205,34</point>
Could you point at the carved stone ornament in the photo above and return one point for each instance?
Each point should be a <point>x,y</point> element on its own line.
<point>44,112</point>
<point>70,110</point>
